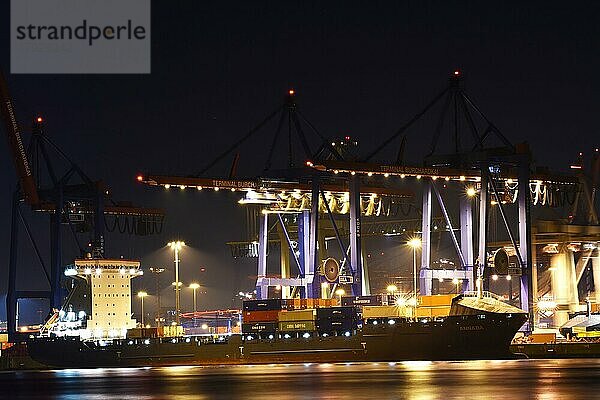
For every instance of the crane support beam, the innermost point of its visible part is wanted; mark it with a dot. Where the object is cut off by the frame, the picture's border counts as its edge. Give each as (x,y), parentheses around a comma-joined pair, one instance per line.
(260,185)
(471,175)
(15,143)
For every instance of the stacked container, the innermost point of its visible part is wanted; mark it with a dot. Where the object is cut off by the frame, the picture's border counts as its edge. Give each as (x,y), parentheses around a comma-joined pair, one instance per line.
(297,321)
(260,316)
(371,300)
(336,319)
(434,306)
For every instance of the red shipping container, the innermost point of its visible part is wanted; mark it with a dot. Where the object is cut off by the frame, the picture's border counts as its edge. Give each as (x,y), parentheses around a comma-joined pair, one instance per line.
(260,316)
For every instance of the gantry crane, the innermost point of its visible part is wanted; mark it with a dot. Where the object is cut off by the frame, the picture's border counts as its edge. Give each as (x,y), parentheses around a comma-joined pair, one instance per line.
(70,198)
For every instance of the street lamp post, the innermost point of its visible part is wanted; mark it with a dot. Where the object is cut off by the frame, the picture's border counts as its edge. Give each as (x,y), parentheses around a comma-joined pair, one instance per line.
(141,295)
(194,287)
(157,271)
(176,247)
(415,243)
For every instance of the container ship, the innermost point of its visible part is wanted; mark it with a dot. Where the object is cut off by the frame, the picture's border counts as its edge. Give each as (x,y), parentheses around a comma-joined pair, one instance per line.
(441,327)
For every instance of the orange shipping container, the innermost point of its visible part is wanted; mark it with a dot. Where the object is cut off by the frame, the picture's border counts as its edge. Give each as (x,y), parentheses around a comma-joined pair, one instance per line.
(260,316)
(542,338)
(436,300)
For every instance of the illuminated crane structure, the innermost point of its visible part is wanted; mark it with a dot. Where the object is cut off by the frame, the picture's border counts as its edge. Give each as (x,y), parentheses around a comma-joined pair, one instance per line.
(288,193)
(70,198)
(489,171)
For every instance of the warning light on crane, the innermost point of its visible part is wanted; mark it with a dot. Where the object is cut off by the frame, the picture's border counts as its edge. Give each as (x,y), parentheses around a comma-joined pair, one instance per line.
(456,73)
(39,120)
(292,92)
(140,178)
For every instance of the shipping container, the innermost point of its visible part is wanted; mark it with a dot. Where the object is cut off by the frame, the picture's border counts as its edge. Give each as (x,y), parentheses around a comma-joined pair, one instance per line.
(541,338)
(372,300)
(329,325)
(260,327)
(297,315)
(260,316)
(436,300)
(386,311)
(336,313)
(295,326)
(263,305)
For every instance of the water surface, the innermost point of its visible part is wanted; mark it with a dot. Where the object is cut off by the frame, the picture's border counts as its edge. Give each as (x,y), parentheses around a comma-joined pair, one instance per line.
(421,380)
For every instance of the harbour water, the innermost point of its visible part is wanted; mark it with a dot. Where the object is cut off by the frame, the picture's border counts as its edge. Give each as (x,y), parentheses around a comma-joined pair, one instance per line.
(421,380)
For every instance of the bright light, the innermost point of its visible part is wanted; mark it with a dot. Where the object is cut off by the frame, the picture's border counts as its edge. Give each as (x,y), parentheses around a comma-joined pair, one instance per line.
(140,178)
(494,277)
(194,285)
(340,292)
(508,277)
(87,271)
(39,119)
(386,175)
(70,272)
(392,288)
(204,326)
(455,281)
(278,287)
(291,92)
(546,305)
(167,186)
(178,283)
(306,335)
(462,178)
(440,279)
(471,191)
(400,301)
(414,243)
(177,245)
(142,294)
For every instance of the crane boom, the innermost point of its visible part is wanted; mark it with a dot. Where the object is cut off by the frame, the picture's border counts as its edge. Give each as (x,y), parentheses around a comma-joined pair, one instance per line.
(15,143)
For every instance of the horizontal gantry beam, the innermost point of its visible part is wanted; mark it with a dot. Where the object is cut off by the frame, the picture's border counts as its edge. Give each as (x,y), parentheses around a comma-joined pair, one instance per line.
(261,185)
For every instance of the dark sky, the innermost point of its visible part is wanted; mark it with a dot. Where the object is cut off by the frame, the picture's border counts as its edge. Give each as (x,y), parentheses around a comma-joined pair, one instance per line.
(359,69)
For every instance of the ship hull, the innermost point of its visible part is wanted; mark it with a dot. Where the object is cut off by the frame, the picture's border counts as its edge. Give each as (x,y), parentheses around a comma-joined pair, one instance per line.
(454,338)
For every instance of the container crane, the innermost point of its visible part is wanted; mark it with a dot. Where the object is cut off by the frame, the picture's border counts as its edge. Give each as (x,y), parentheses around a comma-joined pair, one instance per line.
(70,198)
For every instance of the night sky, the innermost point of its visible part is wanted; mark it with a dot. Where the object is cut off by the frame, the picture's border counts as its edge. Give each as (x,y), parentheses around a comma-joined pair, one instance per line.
(361,70)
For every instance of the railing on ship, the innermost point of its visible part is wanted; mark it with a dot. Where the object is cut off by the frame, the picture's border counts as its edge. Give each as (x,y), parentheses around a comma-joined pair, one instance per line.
(482,294)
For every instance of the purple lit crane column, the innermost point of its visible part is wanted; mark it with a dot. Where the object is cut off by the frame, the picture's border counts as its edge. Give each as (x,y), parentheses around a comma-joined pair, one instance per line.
(425,281)
(359,286)
(523,198)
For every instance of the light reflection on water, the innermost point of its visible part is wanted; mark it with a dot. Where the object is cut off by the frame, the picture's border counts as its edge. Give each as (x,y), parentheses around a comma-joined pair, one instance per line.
(417,380)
